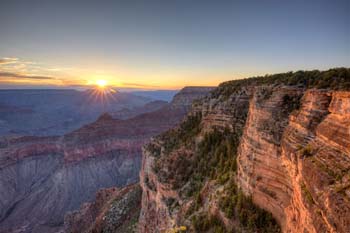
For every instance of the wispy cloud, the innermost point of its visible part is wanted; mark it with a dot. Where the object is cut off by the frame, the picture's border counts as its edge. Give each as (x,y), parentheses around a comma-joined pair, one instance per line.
(24,76)
(8,60)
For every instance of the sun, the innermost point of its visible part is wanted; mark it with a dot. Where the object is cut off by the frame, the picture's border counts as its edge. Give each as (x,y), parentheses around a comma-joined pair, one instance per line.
(101,83)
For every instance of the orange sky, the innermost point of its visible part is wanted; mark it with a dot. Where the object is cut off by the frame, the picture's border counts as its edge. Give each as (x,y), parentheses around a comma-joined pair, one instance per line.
(15,71)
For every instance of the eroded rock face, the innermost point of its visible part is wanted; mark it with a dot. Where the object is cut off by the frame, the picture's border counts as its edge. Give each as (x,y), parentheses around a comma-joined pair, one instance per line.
(293,160)
(113,210)
(187,95)
(163,206)
(38,189)
(298,177)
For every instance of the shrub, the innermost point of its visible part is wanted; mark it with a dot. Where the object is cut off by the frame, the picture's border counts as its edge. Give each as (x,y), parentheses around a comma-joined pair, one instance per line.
(181,135)
(291,103)
(306,151)
(203,223)
(307,193)
(251,217)
(215,158)
(334,79)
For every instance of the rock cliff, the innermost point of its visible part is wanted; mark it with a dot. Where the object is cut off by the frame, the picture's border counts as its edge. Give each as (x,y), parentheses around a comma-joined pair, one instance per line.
(187,95)
(42,179)
(114,210)
(277,144)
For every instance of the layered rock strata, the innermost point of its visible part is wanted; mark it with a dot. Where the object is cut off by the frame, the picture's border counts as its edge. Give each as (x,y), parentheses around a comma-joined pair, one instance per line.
(293,160)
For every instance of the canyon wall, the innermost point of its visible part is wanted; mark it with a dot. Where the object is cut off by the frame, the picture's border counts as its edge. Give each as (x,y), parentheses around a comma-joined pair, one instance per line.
(300,172)
(187,95)
(44,178)
(287,152)
(42,181)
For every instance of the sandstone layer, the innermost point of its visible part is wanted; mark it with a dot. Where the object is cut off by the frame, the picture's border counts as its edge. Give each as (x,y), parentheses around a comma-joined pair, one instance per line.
(292,158)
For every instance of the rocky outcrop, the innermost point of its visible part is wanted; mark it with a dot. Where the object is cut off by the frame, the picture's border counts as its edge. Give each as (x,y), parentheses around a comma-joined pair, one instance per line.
(114,210)
(187,95)
(42,178)
(149,107)
(289,152)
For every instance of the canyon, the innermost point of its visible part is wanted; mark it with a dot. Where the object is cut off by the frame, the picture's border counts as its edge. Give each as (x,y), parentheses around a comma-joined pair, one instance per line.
(44,178)
(266,154)
(53,112)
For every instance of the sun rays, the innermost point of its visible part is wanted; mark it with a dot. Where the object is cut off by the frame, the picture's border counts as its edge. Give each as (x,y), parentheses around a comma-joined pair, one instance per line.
(102,93)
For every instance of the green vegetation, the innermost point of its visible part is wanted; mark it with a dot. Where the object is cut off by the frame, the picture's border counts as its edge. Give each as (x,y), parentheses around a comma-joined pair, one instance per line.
(123,212)
(291,103)
(203,223)
(306,151)
(183,134)
(335,79)
(251,218)
(215,158)
(266,93)
(307,194)
(171,203)
(154,149)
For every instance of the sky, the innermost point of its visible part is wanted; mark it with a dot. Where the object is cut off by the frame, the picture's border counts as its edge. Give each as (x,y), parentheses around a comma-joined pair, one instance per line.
(166,44)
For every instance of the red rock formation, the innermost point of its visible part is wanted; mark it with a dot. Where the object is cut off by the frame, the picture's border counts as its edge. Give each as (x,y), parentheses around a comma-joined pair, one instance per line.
(297,180)
(293,161)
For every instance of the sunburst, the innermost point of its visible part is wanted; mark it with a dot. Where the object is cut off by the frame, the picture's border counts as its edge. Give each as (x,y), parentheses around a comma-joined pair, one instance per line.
(101,83)
(102,93)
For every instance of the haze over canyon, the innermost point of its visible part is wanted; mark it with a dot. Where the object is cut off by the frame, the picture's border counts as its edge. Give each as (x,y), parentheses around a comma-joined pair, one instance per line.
(180,116)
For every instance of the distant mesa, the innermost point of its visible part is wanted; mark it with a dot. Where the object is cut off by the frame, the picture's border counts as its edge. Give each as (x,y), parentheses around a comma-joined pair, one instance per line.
(188,94)
(105,117)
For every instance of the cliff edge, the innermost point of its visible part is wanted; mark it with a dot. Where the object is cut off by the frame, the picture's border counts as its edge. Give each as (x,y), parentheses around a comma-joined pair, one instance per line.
(266,154)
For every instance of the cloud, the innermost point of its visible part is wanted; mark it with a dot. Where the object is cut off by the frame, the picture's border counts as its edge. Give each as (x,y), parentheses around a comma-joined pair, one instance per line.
(8,60)
(24,76)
